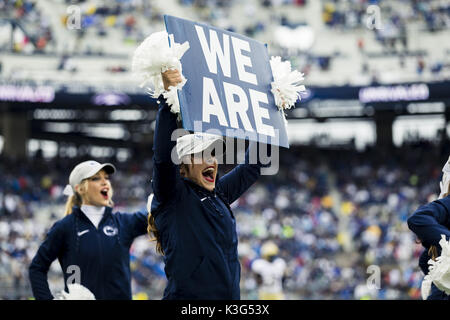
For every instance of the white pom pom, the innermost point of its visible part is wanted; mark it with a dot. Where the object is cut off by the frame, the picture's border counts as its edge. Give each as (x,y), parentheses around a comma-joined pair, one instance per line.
(76,292)
(439,270)
(286,86)
(153,56)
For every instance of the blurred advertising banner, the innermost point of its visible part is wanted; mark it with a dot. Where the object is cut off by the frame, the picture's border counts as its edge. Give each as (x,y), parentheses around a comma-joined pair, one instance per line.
(228,84)
(27,93)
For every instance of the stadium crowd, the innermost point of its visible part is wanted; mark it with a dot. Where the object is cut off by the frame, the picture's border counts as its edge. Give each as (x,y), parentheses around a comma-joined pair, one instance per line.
(350,14)
(27,16)
(117,27)
(332,212)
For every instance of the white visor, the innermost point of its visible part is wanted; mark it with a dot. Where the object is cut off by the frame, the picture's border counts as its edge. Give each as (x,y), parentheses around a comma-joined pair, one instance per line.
(198,142)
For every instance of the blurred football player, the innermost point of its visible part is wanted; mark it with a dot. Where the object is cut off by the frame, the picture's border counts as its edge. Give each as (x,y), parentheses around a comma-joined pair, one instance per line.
(271,269)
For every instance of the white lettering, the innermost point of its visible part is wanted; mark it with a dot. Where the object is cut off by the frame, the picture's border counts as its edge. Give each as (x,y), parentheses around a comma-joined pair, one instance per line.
(215,50)
(214,108)
(259,112)
(237,107)
(242,61)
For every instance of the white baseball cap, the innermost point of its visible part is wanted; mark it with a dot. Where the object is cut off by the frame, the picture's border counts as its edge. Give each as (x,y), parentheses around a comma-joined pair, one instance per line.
(86,170)
(198,142)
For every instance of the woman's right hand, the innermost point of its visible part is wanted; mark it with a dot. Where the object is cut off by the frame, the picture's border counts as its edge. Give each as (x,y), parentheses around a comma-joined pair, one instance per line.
(171,78)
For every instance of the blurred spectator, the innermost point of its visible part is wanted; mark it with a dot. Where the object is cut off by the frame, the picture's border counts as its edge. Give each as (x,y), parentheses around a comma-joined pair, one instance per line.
(361,45)
(66,64)
(420,65)
(437,68)
(324,63)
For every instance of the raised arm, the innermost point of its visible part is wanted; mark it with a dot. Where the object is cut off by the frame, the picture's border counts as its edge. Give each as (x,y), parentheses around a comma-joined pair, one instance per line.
(46,254)
(238,180)
(164,170)
(430,221)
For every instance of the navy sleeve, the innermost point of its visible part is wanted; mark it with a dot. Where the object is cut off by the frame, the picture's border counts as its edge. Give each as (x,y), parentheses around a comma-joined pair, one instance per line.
(46,254)
(165,172)
(238,180)
(428,223)
(135,223)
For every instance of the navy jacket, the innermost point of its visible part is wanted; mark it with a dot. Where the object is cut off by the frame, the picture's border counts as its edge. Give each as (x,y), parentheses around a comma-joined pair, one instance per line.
(197,227)
(102,255)
(428,222)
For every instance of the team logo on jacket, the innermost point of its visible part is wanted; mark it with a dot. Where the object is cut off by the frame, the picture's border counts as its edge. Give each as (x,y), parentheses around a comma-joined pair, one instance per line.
(110,231)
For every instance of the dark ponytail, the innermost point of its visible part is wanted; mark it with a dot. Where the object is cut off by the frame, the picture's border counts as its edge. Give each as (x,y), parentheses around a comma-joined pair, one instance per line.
(154,233)
(433,252)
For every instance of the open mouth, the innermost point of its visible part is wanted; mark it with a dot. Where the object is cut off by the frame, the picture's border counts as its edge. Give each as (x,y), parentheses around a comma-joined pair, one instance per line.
(104,193)
(208,174)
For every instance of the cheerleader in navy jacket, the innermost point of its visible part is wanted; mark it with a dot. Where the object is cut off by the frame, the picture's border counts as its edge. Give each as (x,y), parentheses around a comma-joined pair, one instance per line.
(91,242)
(429,222)
(190,211)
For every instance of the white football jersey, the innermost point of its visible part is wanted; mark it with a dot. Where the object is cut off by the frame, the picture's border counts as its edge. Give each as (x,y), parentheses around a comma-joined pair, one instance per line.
(271,274)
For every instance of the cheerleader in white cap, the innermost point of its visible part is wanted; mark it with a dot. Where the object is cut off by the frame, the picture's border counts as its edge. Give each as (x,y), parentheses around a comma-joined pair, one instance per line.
(191,217)
(91,242)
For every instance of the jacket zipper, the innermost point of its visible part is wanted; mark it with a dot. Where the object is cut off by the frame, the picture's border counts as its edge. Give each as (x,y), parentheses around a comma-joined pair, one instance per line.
(100,255)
